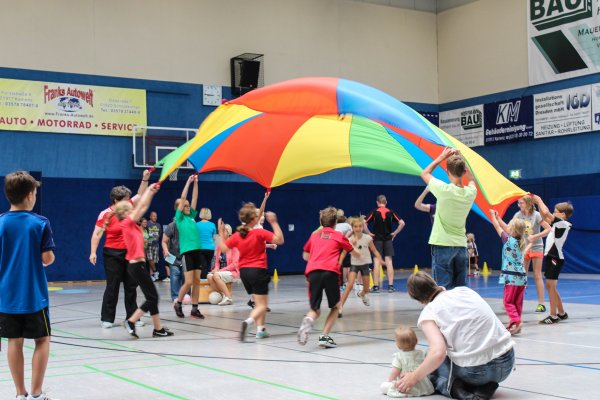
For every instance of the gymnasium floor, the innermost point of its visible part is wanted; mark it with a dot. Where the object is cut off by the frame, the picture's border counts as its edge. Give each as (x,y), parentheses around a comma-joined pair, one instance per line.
(205,360)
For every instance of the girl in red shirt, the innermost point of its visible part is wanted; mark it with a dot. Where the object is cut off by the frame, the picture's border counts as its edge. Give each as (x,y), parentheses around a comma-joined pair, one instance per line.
(253,262)
(127,214)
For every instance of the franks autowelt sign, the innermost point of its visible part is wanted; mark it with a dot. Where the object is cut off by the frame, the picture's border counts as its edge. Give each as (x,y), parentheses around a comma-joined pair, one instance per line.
(66,108)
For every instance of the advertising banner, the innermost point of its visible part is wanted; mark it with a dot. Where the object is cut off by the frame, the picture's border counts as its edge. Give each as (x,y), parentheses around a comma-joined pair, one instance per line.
(563,112)
(563,39)
(596,107)
(509,120)
(65,108)
(465,124)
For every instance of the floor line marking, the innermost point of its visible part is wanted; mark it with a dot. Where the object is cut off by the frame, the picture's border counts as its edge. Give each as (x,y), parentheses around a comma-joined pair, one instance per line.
(152,388)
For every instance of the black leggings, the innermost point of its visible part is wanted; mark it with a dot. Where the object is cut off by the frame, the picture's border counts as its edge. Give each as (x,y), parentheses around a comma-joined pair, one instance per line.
(115,268)
(137,271)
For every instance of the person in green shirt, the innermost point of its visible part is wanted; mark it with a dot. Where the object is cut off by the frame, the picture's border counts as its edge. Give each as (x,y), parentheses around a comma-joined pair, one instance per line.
(189,248)
(449,258)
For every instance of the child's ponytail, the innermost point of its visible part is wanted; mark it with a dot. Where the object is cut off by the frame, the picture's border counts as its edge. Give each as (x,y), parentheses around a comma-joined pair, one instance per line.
(247,214)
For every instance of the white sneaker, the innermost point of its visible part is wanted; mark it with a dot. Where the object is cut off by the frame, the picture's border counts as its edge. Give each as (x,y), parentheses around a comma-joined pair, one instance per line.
(22,397)
(42,396)
(167,279)
(305,328)
(364,298)
(226,301)
(107,325)
(139,323)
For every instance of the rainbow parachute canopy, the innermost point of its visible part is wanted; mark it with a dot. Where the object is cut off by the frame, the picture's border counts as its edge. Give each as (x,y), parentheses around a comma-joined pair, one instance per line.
(308,126)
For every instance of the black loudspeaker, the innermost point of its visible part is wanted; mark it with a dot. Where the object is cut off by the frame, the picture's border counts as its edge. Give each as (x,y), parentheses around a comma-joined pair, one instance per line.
(249,71)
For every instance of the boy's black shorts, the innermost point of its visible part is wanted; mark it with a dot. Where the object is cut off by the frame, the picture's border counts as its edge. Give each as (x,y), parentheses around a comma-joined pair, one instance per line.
(29,326)
(328,281)
(553,267)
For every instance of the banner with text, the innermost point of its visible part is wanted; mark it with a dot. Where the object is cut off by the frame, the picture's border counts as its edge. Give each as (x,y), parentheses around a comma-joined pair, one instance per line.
(465,124)
(563,112)
(596,107)
(509,120)
(563,39)
(66,108)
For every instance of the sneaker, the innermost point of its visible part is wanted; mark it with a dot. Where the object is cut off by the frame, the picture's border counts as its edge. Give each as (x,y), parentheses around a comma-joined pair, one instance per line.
(243,331)
(130,328)
(139,323)
(42,396)
(563,316)
(178,310)
(162,332)
(550,320)
(305,328)
(226,301)
(251,304)
(262,334)
(343,288)
(540,308)
(22,397)
(196,314)
(107,325)
(375,289)
(153,278)
(365,298)
(167,279)
(326,342)
(391,289)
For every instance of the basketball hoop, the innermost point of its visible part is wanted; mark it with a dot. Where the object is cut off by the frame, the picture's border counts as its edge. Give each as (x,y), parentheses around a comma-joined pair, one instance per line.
(173,175)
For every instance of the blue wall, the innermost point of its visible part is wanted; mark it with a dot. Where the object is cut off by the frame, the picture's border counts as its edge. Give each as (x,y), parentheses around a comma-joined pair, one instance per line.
(78,172)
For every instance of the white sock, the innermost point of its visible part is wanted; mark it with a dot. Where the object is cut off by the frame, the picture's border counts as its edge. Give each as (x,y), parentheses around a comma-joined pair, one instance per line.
(260,328)
(250,320)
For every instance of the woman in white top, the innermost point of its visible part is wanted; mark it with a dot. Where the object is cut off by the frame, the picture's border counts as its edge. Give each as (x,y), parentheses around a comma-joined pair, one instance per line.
(470,351)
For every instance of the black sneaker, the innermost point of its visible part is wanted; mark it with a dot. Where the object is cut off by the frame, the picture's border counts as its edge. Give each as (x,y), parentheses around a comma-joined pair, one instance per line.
(251,304)
(130,327)
(243,331)
(196,314)
(326,342)
(375,289)
(178,310)
(162,333)
(563,316)
(391,289)
(549,320)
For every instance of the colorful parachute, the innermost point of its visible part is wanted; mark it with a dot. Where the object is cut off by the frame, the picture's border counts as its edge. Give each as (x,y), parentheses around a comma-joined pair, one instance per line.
(308,126)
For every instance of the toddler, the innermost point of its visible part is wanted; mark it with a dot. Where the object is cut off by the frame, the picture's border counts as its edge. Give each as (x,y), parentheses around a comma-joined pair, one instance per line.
(406,360)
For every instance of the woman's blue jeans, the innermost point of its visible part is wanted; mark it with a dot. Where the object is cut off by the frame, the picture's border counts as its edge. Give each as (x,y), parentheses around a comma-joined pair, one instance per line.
(496,370)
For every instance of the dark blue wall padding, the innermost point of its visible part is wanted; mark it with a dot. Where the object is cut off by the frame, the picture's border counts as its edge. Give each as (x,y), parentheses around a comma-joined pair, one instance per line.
(72,206)
(581,250)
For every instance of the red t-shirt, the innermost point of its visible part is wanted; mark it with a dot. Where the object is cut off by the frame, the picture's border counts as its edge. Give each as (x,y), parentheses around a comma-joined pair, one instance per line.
(133,239)
(252,248)
(324,247)
(113,234)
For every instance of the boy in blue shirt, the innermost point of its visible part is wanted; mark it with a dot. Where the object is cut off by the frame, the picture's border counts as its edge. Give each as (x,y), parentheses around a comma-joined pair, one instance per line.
(26,247)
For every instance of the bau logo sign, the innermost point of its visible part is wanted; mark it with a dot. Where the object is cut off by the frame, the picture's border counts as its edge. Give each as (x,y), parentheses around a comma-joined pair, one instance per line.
(508,112)
(471,119)
(547,14)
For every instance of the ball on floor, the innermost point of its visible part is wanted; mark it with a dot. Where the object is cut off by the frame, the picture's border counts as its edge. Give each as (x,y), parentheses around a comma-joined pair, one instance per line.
(215,297)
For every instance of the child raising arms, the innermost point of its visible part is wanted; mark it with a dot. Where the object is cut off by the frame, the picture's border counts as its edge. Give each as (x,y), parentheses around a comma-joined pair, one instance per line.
(127,214)
(365,246)
(513,275)
(406,360)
